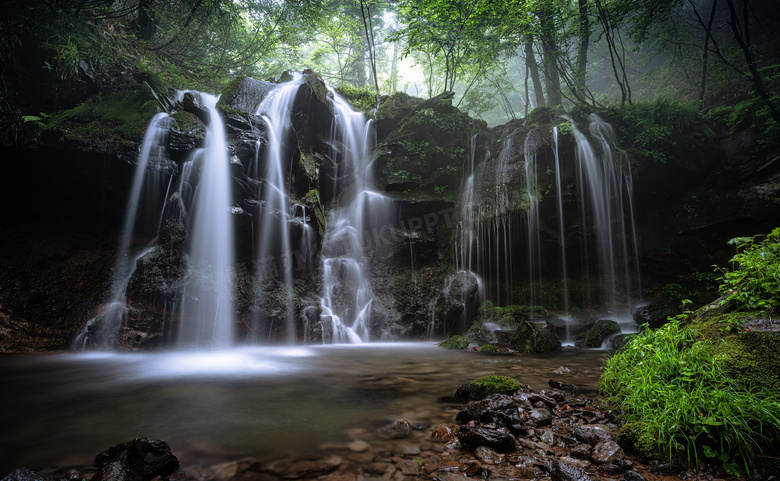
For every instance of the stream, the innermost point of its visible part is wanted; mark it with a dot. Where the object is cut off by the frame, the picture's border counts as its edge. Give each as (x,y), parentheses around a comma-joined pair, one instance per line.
(260,402)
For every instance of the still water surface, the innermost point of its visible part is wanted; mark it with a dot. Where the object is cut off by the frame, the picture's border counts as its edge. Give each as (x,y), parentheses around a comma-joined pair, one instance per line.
(259,402)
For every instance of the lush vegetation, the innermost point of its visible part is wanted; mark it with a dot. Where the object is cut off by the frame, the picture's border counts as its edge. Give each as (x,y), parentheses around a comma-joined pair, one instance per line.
(680,388)
(754,281)
(501,58)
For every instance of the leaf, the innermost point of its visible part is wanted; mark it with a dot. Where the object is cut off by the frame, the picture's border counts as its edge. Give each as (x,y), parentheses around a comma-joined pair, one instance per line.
(709,452)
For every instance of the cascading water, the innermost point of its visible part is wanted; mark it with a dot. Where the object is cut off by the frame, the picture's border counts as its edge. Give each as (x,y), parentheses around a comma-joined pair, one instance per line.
(275,229)
(606,192)
(347,298)
(207,310)
(148,182)
(570,207)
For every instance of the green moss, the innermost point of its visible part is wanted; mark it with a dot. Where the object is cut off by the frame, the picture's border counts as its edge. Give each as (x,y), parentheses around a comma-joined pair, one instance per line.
(494,384)
(229,91)
(599,332)
(188,123)
(535,338)
(752,359)
(117,119)
(456,343)
(633,436)
(363,99)
(493,350)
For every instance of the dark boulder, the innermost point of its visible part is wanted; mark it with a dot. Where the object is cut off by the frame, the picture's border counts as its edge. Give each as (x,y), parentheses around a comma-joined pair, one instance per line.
(143,459)
(477,409)
(535,338)
(490,435)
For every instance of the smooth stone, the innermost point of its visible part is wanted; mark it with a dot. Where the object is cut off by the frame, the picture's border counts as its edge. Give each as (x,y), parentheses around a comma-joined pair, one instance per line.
(563,471)
(358,446)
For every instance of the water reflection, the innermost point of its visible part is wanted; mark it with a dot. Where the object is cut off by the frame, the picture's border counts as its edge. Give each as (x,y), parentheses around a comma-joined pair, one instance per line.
(261,402)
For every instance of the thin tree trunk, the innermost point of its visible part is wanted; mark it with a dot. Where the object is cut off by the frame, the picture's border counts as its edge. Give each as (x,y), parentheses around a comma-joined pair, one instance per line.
(705,56)
(582,55)
(530,62)
(550,60)
(742,36)
(366,13)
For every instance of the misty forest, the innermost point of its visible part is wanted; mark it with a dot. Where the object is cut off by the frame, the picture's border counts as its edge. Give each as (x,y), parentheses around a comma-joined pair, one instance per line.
(399,240)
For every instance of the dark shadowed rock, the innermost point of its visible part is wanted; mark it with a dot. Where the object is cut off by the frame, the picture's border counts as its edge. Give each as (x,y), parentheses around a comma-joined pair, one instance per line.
(24,474)
(591,434)
(193,105)
(477,409)
(143,459)
(116,471)
(490,435)
(632,476)
(562,471)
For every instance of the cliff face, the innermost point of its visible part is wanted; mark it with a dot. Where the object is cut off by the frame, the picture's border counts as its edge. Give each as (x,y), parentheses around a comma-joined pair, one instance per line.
(64,197)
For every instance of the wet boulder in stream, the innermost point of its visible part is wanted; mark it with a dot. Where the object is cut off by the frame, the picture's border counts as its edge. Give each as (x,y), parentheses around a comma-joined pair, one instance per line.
(142,459)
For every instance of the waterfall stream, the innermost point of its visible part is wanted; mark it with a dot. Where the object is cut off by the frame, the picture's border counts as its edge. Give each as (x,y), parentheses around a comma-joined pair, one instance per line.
(207,311)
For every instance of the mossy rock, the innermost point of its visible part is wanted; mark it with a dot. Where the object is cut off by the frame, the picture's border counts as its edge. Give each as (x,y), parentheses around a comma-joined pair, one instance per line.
(456,343)
(535,338)
(597,334)
(483,387)
(539,115)
(634,437)
(752,359)
(243,95)
(494,350)
(112,121)
(621,340)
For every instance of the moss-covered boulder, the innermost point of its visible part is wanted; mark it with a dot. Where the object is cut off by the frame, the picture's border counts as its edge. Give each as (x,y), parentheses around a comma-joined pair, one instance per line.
(596,335)
(456,343)
(113,122)
(422,157)
(752,358)
(485,386)
(494,350)
(244,95)
(535,338)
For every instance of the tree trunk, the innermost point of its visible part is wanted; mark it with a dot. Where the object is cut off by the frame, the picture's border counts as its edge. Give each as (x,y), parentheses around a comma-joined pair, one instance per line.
(742,36)
(533,69)
(582,55)
(145,25)
(550,61)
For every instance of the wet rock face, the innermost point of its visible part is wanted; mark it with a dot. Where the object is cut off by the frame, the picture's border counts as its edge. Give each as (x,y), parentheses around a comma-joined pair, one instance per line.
(142,459)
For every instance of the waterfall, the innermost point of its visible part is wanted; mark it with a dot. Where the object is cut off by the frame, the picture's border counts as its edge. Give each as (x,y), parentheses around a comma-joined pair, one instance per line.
(604,177)
(547,208)
(275,235)
(347,298)
(561,224)
(207,311)
(533,234)
(144,196)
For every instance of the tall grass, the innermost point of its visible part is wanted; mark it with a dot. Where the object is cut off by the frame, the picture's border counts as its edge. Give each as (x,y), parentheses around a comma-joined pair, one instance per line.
(682,403)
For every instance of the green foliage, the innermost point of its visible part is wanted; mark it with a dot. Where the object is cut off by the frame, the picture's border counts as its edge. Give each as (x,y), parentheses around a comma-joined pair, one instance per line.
(428,118)
(751,114)
(456,343)
(363,99)
(680,401)
(754,280)
(650,126)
